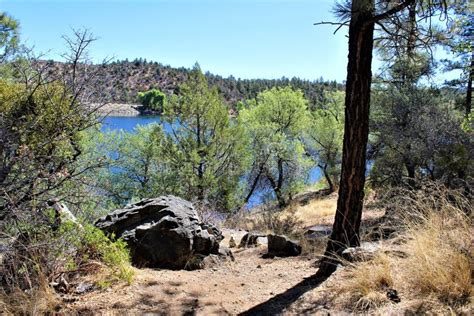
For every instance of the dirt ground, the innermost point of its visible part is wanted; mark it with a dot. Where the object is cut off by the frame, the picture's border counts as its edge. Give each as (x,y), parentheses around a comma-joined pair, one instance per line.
(228,289)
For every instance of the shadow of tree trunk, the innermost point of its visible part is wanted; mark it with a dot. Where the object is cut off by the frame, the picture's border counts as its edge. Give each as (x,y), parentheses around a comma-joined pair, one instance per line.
(277,304)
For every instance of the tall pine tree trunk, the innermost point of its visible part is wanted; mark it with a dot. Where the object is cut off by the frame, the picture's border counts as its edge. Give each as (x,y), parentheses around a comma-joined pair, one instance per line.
(469,87)
(356,129)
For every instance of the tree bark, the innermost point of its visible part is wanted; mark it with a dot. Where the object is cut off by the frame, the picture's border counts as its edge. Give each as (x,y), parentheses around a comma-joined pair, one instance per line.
(200,170)
(254,186)
(356,129)
(328,177)
(276,185)
(411,170)
(469,88)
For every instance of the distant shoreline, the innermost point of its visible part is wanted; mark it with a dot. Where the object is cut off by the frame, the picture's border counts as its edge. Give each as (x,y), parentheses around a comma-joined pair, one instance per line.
(120,109)
(124,109)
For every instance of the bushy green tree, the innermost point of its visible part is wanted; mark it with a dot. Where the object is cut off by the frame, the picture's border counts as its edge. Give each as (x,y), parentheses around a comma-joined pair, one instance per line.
(416,132)
(152,99)
(323,139)
(9,35)
(275,123)
(202,145)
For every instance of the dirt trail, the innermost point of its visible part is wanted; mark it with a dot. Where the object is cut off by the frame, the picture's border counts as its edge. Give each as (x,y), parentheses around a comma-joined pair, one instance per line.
(231,288)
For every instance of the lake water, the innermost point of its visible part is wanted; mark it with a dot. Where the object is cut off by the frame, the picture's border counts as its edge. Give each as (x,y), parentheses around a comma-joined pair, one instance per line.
(129,123)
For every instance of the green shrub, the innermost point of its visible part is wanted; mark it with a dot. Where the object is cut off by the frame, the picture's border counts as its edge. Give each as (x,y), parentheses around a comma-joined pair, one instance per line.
(93,244)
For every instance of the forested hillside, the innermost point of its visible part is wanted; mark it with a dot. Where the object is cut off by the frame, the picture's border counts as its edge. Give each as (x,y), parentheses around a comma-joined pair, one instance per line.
(120,82)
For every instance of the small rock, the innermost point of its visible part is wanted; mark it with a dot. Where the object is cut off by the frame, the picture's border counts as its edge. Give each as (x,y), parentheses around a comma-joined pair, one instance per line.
(69,299)
(259,267)
(392,295)
(250,239)
(262,241)
(318,231)
(225,253)
(232,243)
(82,288)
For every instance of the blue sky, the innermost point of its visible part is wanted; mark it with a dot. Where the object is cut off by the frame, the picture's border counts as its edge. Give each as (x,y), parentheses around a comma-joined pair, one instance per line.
(244,38)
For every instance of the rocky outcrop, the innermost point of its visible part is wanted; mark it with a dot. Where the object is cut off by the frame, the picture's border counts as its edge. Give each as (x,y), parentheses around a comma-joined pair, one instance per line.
(282,246)
(365,252)
(163,232)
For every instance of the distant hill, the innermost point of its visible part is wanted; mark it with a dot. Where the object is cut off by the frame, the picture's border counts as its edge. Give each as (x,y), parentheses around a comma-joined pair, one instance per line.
(122,80)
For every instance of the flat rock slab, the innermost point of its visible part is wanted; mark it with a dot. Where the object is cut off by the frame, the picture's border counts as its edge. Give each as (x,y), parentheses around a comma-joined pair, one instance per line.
(318,231)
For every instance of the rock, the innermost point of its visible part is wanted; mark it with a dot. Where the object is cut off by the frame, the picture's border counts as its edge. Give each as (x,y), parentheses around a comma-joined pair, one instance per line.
(282,246)
(232,243)
(250,239)
(318,232)
(163,232)
(262,241)
(210,261)
(364,252)
(226,253)
(82,288)
(392,295)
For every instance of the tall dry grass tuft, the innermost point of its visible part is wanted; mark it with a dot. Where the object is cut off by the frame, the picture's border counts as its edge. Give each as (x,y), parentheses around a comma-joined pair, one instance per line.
(40,300)
(368,282)
(431,260)
(440,255)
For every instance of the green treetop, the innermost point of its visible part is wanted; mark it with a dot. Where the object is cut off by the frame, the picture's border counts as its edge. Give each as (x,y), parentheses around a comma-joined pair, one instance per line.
(203,146)
(275,122)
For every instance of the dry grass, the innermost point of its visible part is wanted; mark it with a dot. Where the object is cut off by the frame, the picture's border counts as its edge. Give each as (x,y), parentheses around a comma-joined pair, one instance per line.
(437,243)
(38,301)
(316,210)
(368,282)
(440,256)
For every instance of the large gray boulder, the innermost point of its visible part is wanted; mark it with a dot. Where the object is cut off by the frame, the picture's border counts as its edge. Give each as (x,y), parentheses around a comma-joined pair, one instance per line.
(163,232)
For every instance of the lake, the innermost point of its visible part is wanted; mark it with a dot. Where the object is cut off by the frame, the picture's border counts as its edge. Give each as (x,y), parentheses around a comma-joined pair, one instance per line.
(128,123)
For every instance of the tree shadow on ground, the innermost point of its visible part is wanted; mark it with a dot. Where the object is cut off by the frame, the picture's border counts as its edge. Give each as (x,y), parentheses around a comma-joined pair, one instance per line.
(278,303)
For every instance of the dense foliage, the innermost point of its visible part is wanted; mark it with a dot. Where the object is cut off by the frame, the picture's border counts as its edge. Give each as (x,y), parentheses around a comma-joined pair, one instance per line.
(152,99)
(44,117)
